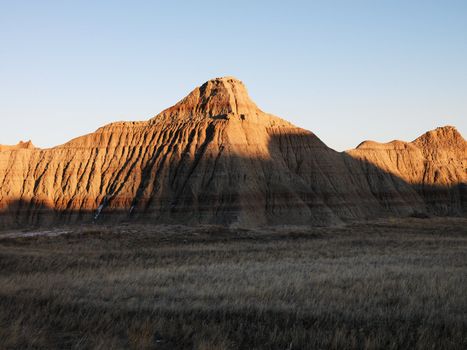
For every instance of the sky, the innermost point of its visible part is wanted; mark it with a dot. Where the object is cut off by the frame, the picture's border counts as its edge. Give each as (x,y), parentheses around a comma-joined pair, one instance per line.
(347,70)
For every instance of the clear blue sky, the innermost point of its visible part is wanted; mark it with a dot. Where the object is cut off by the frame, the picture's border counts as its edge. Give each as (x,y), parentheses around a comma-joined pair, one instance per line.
(347,70)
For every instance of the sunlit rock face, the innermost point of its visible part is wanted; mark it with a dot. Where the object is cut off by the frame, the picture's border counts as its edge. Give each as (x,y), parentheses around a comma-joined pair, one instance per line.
(215,157)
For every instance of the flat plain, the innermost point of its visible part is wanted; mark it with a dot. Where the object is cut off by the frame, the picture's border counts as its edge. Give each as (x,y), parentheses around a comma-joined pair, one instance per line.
(392,284)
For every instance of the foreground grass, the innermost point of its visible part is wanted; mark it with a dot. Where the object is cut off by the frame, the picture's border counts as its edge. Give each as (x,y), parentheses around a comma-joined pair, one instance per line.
(391,285)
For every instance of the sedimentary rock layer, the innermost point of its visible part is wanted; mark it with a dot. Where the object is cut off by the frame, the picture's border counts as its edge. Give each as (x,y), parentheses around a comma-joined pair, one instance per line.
(435,164)
(215,157)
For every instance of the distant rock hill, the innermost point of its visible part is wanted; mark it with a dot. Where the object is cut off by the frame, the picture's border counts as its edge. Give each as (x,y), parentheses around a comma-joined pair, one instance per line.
(20,145)
(215,157)
(435,165)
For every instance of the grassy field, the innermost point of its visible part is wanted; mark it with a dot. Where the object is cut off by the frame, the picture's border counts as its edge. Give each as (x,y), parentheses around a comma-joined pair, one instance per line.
(382,285)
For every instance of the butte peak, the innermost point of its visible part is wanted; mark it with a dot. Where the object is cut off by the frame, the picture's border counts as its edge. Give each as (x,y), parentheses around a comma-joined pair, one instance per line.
(227,79)
(442,136)
(219,98)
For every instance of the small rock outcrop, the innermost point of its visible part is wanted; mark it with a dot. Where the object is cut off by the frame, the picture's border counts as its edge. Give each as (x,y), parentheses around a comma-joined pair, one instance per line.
(215,157)
(19,145)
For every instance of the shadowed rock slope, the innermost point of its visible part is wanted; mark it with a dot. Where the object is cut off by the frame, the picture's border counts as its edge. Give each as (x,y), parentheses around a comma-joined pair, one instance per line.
(215,157)
(435,164)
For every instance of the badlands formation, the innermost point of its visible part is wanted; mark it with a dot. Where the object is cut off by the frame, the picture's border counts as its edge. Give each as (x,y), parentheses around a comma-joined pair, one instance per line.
(215,157)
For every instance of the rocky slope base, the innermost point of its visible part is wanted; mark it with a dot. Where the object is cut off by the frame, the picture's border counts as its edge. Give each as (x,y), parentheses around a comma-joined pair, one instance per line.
(215,157)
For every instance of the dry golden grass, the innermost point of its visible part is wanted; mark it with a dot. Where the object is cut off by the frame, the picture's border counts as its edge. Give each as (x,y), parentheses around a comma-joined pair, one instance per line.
(389,284)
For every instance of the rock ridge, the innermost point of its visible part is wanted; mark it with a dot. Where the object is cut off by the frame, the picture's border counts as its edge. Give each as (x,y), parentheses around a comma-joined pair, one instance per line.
(215,157)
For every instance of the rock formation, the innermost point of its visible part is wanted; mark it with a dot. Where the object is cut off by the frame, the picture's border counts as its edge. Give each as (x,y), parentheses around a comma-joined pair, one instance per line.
(20,145)
(215,157)
(435,164)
